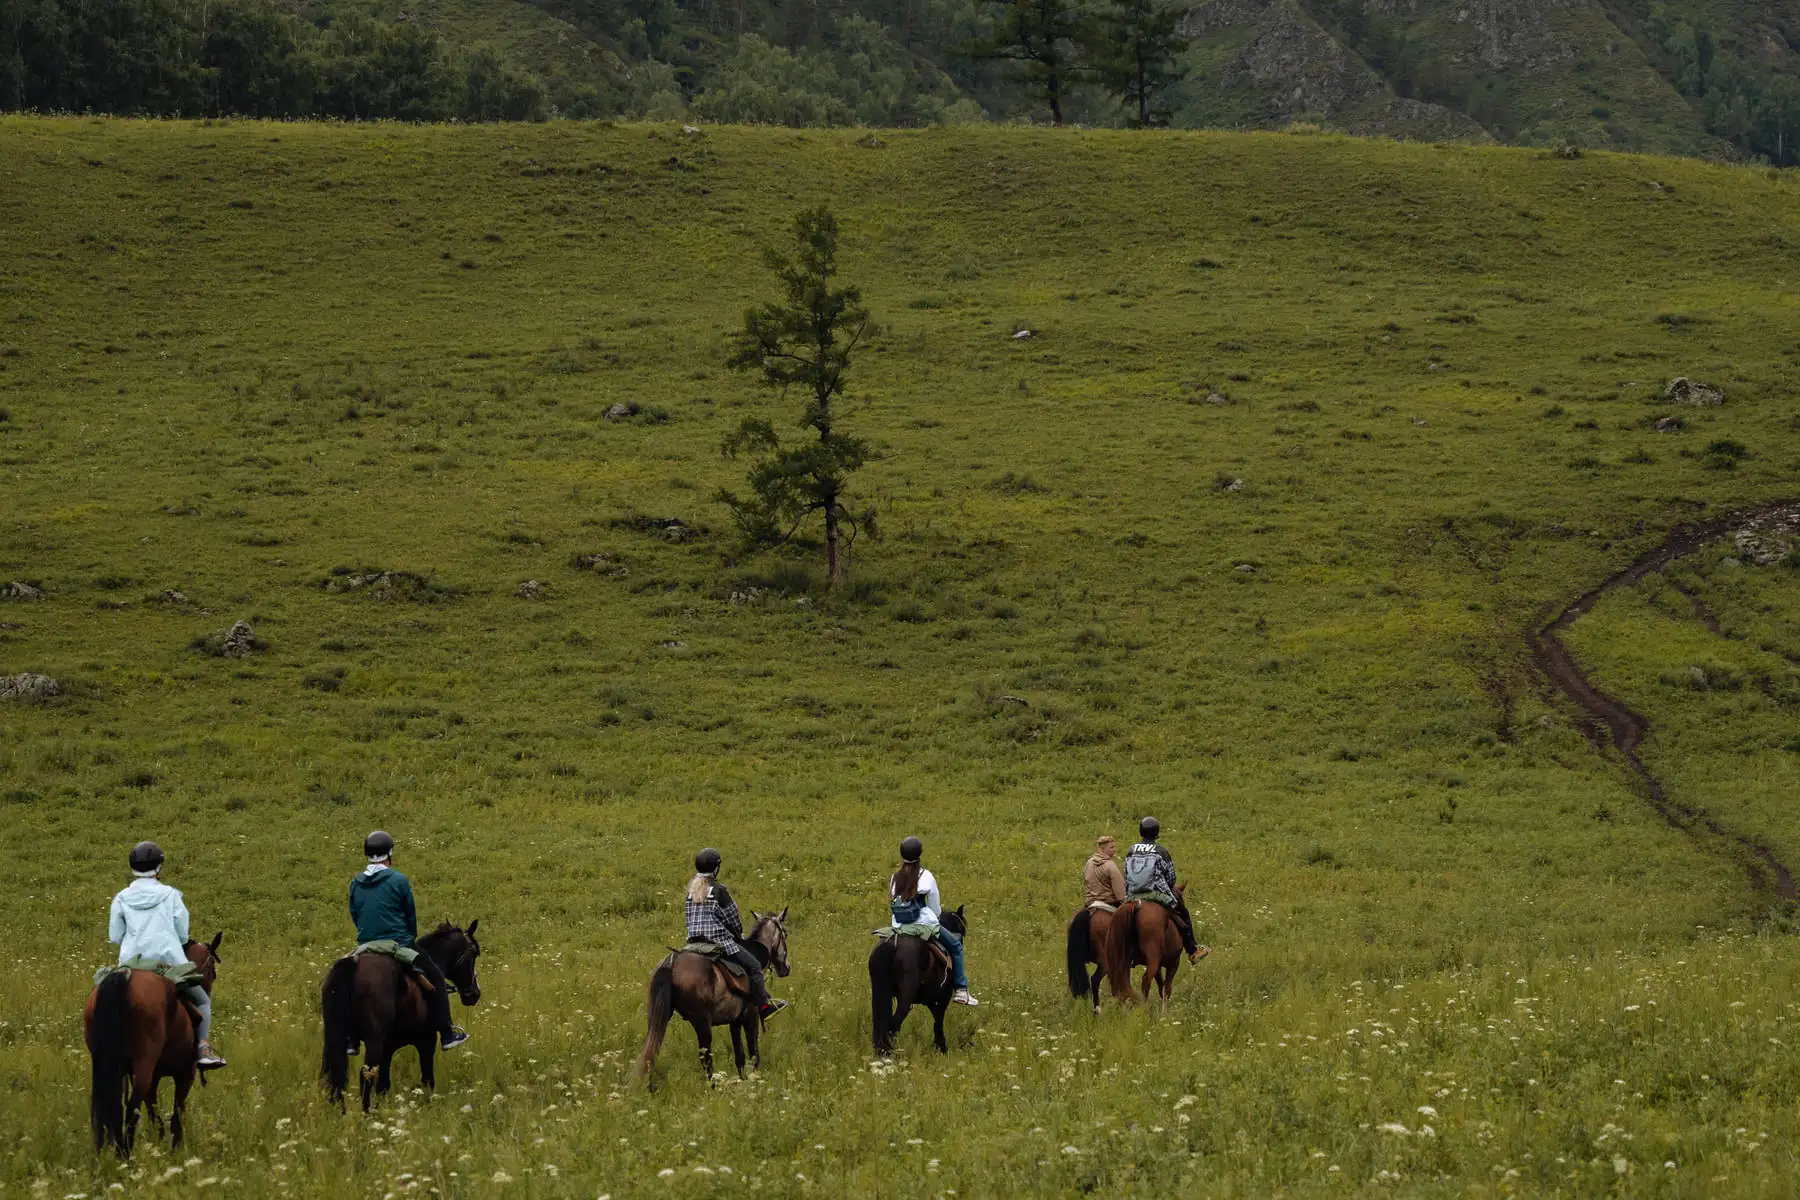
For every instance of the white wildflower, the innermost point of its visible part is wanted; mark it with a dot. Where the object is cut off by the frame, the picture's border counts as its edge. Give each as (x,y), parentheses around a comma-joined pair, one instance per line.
(502,1177)
(1395,1128)
(1425,1110)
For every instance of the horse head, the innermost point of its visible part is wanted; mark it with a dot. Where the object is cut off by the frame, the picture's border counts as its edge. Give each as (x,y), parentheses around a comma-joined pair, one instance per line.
(770,932)
(456,950)
(205,956)
(956,922)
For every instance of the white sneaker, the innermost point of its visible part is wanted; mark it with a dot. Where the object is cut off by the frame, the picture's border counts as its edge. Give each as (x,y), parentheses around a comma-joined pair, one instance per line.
(961,996)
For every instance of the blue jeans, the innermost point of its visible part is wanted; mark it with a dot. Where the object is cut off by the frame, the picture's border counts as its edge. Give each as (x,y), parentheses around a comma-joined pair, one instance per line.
(959,976)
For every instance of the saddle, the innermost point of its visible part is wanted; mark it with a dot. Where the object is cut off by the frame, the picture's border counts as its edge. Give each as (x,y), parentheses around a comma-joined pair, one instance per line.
(925,933)
(713,951)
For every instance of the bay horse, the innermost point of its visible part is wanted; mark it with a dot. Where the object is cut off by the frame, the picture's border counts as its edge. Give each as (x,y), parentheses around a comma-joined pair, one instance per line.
(706,994)
(904,971)
(373,1000)
(1087,944)
(139,1033)
(1144,933)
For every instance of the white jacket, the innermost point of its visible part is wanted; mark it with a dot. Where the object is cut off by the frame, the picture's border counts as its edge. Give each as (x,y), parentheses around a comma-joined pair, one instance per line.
(928,894)
(149,921)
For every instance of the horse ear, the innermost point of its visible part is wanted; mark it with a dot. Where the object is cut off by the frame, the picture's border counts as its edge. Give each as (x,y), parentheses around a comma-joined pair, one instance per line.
(472,924)
(783,917)
(959,909)
(214,944)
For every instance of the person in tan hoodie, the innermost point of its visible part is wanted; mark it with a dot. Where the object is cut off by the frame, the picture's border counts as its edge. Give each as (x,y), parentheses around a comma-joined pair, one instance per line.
(1103,884)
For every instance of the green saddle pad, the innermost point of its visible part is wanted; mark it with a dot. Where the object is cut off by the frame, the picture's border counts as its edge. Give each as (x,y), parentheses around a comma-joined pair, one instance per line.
(183,974)
(888,933)
(406,956)
(1161,898)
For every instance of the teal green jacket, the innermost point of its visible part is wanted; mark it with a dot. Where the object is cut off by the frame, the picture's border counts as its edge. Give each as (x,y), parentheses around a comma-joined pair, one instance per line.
(381,904)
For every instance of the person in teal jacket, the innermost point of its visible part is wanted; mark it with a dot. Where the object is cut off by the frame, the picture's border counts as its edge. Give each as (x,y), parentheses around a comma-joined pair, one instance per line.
(381,904)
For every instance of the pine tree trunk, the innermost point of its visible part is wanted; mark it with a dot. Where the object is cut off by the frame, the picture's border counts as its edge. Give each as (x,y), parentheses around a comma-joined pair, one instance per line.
(834,574)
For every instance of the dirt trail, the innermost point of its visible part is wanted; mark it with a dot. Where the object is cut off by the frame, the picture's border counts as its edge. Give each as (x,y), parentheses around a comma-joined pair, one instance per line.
(1769,876)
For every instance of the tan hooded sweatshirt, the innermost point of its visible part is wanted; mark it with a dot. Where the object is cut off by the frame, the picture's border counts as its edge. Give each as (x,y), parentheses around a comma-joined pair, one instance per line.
(1102,881)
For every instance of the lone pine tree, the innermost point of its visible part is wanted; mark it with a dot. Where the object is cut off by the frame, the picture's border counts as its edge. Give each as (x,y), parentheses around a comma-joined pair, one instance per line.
(803,341)
(1044,38)
(1136,54)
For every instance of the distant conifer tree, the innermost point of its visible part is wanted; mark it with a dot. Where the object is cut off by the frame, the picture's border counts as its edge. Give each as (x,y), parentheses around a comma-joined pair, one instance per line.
(806,341)
(1044,38)
(1136,52)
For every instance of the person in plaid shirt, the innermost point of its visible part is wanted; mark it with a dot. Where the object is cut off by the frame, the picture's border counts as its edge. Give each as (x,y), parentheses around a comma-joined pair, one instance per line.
(712,916)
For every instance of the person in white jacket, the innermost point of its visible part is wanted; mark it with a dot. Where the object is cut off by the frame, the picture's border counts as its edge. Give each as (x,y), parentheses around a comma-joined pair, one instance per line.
(913,899)
(150,924)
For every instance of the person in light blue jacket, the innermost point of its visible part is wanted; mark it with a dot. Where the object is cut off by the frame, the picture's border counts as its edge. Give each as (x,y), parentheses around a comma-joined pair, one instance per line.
(150,924)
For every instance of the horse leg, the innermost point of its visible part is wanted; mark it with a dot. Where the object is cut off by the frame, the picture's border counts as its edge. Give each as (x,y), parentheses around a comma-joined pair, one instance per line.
(1094,985)
(374,1053)
(143,1094)
(385,1080)
(737,1045)
(428,1063)
(703,1034)
(937,1026)
(184,1082)
(754,1031)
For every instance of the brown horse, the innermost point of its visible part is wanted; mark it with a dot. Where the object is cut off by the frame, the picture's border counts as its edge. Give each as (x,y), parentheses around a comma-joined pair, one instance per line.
(139,1033)
(373,1000)
(908,970)
(1144,933)
(1087,944)
(705,994)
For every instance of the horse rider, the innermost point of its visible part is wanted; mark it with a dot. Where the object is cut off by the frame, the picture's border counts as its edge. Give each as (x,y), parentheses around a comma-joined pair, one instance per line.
(913,899)
(381,904)
(1150,875)
(1102,883)
(150,924)
(712,916)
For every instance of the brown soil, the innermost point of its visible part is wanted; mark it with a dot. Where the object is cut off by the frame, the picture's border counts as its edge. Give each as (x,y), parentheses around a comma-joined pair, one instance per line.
(1604,715)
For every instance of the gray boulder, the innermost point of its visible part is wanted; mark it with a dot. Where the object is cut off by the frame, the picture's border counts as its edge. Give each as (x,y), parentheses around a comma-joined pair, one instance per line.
(28,687)
(1681,390)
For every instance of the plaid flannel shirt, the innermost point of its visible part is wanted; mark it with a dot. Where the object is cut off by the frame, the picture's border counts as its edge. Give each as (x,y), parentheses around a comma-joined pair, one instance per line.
(716,919)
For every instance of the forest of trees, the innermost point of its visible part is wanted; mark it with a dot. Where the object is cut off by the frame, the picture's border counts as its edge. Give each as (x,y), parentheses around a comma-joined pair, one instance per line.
(245,57)
(787,62)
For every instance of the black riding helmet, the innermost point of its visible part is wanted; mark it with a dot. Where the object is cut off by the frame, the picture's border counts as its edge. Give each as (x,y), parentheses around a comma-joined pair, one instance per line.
(911,850)
(1148,828)
(707,861)
(379,844)
(146,856)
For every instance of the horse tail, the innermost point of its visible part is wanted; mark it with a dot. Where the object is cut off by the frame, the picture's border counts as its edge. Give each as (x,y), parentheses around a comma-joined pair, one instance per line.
(1081,948)
(661,1008)
(337,999)
(1120,940)
(881,992)
(112,1059)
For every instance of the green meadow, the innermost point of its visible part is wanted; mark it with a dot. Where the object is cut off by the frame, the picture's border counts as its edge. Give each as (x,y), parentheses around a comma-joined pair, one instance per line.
(245,368)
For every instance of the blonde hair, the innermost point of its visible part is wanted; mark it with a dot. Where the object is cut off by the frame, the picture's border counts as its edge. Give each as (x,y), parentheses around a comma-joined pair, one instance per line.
(1103,841)
(699,888)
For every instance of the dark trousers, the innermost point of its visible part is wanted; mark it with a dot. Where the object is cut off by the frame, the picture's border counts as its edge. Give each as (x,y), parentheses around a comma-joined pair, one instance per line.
(759,992)
(1185,923)
(437,1003)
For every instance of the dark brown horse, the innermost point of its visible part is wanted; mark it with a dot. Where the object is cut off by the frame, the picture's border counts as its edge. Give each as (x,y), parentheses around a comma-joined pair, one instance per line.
(904,971)
(705,994)
(373,1000)
(1144,933)
(139,1033)
(1087,944)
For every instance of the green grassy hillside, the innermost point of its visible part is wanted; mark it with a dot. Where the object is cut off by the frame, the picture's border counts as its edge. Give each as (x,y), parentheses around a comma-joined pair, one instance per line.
(246,363)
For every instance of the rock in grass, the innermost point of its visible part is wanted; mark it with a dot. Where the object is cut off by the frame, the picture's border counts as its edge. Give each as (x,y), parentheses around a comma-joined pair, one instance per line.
(239,641)
(621,412)
(1670,425)
(1771,537)
(1218,398)
(21,591)
(28,687)
(531,589)
(1681,390)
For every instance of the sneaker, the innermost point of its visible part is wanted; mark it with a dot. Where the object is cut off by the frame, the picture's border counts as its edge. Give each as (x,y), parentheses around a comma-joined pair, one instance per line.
(209,1060)
(772,1007)
(961,996)
(1199,954)
(454,1038)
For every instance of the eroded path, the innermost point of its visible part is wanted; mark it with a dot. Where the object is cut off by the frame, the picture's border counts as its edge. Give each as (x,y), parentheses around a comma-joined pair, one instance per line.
(1606,716)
